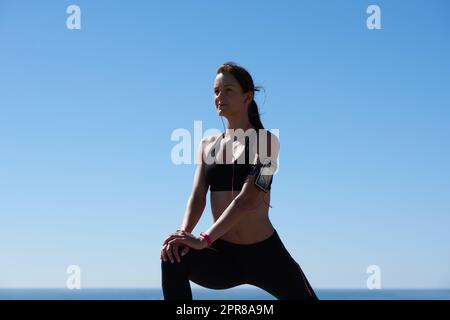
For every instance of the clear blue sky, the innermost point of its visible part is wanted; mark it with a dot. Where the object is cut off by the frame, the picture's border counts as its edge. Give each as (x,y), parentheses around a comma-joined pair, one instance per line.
(86,117)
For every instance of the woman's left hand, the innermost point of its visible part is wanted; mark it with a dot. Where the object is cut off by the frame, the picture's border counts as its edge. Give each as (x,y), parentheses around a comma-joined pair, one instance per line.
(187,239)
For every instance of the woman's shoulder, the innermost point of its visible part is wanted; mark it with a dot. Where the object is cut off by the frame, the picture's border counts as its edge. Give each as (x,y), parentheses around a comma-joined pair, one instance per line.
(210,139)
(208,142)
(268,134)
(264,139)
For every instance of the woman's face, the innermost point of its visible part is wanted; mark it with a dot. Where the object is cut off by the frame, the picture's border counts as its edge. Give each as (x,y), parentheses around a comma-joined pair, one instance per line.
(228,95)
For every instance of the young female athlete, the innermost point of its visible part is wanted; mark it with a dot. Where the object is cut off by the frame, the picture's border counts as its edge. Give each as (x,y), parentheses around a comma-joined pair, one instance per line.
(242,246)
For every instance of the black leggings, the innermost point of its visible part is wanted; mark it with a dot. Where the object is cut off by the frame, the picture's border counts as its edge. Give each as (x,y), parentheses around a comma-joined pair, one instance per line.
(266,264)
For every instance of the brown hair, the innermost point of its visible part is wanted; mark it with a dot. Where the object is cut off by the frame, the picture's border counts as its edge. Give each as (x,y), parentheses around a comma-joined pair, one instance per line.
(245,80)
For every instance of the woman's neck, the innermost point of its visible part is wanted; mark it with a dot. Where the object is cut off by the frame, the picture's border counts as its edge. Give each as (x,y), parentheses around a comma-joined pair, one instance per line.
(237,124)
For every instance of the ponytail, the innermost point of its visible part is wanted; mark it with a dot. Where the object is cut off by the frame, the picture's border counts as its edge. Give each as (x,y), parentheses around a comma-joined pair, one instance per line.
(253,115)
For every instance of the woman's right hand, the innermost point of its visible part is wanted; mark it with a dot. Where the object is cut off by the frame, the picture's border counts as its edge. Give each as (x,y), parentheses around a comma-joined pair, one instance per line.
(170,252)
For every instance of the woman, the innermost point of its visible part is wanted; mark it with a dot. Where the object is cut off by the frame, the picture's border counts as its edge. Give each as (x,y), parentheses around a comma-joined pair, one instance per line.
(242,246)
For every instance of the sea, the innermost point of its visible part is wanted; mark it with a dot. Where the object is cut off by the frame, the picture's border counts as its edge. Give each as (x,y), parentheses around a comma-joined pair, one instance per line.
(208,294)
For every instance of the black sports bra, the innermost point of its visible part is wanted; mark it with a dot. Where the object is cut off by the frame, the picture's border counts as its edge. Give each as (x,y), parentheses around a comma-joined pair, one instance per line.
(220,175)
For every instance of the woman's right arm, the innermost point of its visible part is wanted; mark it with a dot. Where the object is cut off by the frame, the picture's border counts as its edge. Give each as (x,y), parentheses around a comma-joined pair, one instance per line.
(195,206)
(197,200)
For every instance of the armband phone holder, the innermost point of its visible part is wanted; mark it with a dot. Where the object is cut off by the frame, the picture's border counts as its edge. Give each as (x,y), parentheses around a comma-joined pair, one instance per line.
(263,179)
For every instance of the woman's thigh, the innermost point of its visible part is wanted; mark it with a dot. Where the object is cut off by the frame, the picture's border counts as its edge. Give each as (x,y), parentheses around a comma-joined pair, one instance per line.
(275,271)
(213,267)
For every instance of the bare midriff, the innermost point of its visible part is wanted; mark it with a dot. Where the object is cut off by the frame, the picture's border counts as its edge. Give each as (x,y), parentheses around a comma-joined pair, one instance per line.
(254,227)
